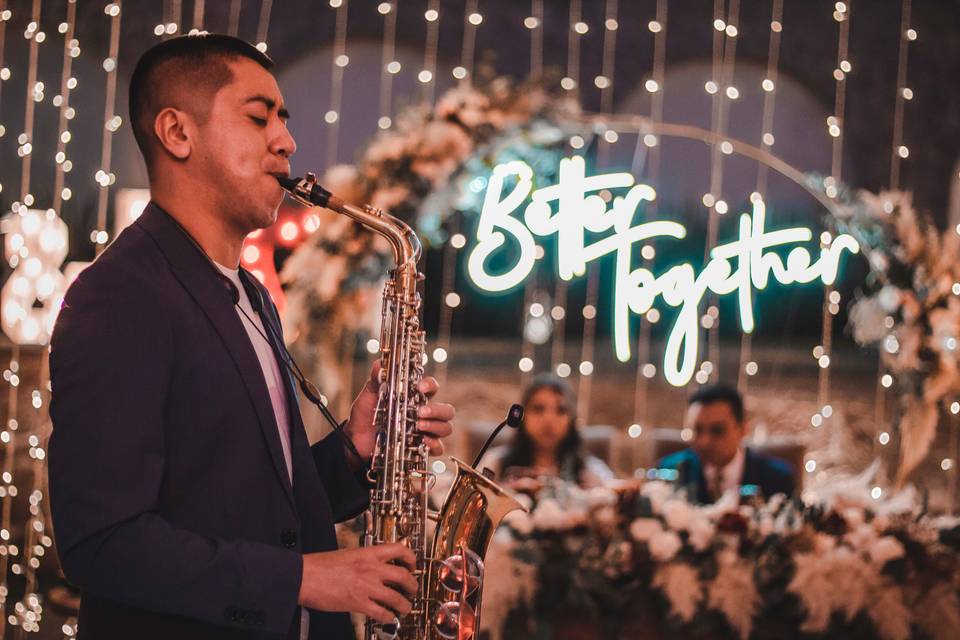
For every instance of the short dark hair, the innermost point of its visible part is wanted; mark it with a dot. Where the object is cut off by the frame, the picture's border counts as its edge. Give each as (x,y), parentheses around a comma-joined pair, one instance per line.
(184,68)
(720,393)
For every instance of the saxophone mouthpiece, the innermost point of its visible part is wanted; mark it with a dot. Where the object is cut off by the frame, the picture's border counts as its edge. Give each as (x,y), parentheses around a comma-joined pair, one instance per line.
(305,189)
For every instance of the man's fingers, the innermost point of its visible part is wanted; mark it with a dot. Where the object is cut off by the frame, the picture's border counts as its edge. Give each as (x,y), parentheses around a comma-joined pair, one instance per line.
(428,386)
(391,599)
(378,613)
(401,578)
(391,552)
(434,429)
(434,445)
(440,411)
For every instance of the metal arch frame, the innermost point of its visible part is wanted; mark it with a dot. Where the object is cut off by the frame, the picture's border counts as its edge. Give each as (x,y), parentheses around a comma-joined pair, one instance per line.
(642,125)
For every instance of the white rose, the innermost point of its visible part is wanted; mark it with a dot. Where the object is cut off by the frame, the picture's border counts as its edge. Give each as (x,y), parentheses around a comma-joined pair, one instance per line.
(766,525)
(664,545)
(657,491)
(519,521)
(701,533)
(524,500)
(854,516)
(885,549)
(549,515)
(642,529)
(677,514)
(601,497)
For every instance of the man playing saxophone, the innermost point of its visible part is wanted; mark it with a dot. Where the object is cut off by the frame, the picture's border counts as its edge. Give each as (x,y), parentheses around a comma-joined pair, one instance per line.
(186,499)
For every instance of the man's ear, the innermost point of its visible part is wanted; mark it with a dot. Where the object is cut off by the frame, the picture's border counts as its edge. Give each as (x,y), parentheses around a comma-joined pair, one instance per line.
(173,129)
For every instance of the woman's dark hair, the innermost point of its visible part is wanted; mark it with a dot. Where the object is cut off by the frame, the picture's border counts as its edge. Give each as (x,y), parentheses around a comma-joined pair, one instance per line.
(570,457)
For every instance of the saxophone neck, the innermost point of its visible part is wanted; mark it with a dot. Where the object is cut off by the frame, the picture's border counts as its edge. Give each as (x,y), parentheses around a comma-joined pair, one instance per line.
(404,242)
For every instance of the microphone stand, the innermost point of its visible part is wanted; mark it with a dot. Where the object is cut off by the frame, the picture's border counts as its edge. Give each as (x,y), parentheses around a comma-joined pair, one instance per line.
(514,417)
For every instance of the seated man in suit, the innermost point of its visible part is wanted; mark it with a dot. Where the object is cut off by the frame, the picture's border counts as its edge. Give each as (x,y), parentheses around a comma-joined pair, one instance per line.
(718,462)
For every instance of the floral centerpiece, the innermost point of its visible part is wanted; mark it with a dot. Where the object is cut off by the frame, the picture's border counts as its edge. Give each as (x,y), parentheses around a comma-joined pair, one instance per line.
(909,308)
(641,563)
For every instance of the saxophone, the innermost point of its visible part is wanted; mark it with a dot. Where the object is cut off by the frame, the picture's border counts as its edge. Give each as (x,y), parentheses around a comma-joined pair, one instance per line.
(450,575)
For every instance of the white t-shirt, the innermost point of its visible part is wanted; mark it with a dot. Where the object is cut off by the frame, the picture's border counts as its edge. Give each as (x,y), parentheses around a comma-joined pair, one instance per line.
(275,387)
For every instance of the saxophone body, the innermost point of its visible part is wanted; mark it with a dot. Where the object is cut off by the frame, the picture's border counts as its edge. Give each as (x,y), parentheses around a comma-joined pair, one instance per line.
(450,569)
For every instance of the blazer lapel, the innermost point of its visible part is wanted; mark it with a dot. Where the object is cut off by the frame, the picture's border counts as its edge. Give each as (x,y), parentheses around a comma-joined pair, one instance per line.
(271,321)
(196,274)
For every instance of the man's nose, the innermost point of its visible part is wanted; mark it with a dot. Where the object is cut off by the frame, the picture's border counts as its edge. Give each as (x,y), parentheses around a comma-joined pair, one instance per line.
(284,145)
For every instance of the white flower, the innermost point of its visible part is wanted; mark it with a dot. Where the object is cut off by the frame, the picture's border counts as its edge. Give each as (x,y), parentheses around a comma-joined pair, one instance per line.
(508,583)
(889,298)
(549,515)
(734,593)
(831,580)
(605,518)
(519,521)
(890,616)
(861,537)
(884,550)
(677,514)
(664,545)
(657,491)
(525,500)
(881,523)
(679,583)
(766,525)
(642,529)
(701,530)
(854,516)
(601,497)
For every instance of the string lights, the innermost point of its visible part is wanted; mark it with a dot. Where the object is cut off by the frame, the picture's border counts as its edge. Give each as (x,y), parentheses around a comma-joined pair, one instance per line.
(233,22)
(5,15)
(472,20)
(450,299)
(748,368)
(198,9)
(571,83)
(604,82)
(723,92)
(104,177)
(903,93)
(263,24)
(831,298)
(428,73)
(389,66)
(646,369)
(534,24)
(338,63)
(170,24)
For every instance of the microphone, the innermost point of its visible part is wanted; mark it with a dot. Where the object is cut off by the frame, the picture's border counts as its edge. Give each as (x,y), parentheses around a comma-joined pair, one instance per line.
(514,418)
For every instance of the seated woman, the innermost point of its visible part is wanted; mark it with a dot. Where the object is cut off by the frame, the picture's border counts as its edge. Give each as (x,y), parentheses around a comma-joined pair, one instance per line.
(547,443)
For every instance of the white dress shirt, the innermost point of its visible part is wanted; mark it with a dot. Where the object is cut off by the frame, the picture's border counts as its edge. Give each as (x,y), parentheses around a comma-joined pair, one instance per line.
(730,476)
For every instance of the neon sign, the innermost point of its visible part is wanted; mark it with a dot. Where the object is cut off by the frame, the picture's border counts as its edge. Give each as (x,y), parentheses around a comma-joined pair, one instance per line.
(740,266)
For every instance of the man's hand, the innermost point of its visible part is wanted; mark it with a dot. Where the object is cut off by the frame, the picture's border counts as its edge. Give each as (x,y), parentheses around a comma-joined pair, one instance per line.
(434,419)
(360,580)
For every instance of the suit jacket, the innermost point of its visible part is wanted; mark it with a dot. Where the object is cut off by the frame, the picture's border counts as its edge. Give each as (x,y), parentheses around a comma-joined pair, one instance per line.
(771,474)
(172,507)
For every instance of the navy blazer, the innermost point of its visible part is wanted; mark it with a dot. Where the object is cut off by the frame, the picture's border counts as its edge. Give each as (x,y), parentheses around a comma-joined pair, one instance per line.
(172,507)
(771,474)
